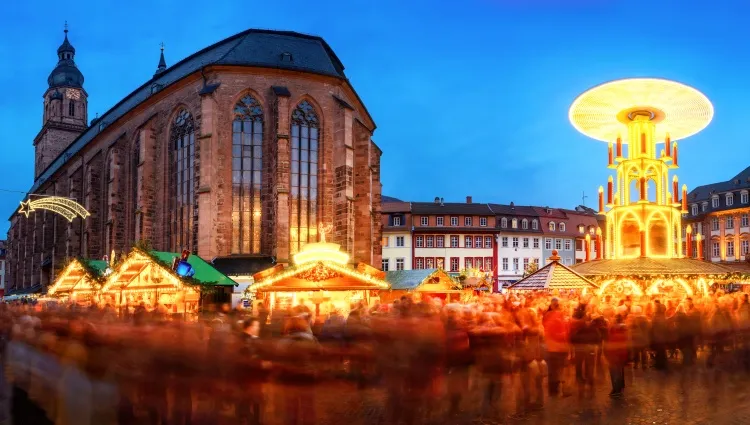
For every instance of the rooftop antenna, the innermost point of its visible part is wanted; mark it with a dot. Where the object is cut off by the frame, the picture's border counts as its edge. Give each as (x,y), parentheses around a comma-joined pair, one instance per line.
(583,198)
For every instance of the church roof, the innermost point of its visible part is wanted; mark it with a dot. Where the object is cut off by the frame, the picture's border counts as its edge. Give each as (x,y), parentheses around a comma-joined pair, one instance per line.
(553,276)
(649,266)
(251,48)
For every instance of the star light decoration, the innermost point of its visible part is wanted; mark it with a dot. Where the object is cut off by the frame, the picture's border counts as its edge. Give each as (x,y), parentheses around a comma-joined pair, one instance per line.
(66,207)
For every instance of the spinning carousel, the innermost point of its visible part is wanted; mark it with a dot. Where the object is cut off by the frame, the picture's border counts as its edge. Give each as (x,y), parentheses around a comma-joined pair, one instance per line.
(645,250)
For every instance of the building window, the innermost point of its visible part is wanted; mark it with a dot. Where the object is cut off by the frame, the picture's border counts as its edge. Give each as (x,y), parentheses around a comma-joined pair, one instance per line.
(439,221)
(562,227)
(745,247)
(478,264)
(505,264)
(483,221)
(440,241)
(505,241)
(524,224)
(515,242)
(744,197)
(714,223)
(399,263)
(420,242)
(488,241)
(247,166)
(514,223)
(454,264)
(467,221)
(468,240)
(384,264)
(454,221)
(504,223)
(515,264)
(454,241)
(536,243)
(397,221)
(304,187)
(730,199)
(700,228)
(715,249)
(715,202)
(547,244)
(468,262)
(72,108)
(558,244)
(568,245)
(384,241)
(581,229)
(423,221)
(730,222)
(430,241)
(477,242)
(419,263)
(399,241)
(429,263)
(730,248)
(552,226)
(525,264)
(744,220)
(488,263)
(183,207)
(525,242)
(694,209)
(534,224)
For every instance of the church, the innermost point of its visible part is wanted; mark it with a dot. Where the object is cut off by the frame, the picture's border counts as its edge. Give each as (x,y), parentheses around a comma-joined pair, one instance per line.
(239,152)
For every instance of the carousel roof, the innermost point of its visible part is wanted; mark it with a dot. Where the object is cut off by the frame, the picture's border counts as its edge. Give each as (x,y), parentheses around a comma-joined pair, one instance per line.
(650,266)
(553,276)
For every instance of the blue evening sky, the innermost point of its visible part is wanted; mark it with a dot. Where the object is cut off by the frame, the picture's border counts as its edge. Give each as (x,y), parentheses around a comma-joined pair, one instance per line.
(470,97)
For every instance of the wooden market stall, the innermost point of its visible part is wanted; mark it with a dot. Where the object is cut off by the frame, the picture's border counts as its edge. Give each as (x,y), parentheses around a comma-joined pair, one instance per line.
(435,283)
(554,276)
(148,277)
(320,279)
(80,281)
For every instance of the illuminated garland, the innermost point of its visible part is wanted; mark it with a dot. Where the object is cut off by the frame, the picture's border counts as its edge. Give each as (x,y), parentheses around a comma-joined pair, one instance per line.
(318,273)
(66,207)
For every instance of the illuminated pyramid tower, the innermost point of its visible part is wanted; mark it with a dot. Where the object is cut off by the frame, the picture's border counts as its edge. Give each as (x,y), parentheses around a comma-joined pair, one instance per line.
(641,120)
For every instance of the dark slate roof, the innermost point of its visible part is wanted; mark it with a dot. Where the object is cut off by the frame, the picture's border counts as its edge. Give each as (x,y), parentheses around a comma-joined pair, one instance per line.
(384,199)
(704,193)
(514,210)
(254,48)
(243,265)
(407,279)
(456,208)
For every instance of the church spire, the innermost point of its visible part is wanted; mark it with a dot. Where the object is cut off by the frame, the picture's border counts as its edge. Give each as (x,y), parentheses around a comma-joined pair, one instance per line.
(162,63)
(66,74)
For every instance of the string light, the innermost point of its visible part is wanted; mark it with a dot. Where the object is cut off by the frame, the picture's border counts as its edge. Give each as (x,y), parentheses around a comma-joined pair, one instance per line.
(66,207)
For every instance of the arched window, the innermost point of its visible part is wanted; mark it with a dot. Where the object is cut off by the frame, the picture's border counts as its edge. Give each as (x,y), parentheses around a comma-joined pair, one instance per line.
(514,223)
(580,228)
(534,224)
(247,164)
(183,206)
(524,224)
(552,226)
(504,222)
(562,227)
(304,184)
(136,198)
(72,108)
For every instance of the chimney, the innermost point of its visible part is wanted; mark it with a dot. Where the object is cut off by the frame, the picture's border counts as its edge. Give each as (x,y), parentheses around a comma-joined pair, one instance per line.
(437,200)
(468,199)
(512,205)
(441,202)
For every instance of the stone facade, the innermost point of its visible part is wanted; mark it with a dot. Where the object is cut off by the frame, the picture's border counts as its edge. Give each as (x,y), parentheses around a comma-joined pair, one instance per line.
(125,175)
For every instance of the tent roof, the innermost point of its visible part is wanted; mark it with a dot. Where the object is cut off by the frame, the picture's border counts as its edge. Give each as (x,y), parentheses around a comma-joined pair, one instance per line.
(553,276)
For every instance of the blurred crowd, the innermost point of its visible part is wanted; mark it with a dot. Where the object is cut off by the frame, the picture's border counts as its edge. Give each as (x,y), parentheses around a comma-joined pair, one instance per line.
(71,366)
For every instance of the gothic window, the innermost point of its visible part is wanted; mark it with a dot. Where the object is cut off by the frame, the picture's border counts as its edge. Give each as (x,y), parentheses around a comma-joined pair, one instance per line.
(304,175)
(136,199)
(247,165)
(72,108)
(183,206)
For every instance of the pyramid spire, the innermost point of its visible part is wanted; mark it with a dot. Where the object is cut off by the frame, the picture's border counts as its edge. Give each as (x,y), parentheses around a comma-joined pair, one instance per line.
(162,63)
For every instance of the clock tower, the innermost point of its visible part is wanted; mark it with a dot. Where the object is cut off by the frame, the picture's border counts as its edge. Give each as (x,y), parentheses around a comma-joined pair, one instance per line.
(65,109)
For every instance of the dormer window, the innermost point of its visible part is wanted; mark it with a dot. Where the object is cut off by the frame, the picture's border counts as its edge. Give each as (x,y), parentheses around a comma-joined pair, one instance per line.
(552,226)
(504,222)
(534,224)
(524,224)
(514,223)
(704,206)
(694,209)
(562,227)
(715,201)
(581,229)
(730,199)
(743,197)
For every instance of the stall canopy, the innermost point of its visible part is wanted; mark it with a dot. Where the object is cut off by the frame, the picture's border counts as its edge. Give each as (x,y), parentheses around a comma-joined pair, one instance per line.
(553,276)
(143,271)
(424,280)
(78,276)
(318,266)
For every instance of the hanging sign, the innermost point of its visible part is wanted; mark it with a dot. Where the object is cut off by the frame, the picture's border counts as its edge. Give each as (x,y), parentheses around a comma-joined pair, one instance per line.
(66,207)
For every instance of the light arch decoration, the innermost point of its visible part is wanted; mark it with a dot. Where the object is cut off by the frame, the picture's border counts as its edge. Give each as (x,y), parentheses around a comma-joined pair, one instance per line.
(620,287)
(673,286)
(65,207)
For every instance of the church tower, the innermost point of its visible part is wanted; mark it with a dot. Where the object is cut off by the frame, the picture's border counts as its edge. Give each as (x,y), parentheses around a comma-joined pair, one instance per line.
(65,108)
